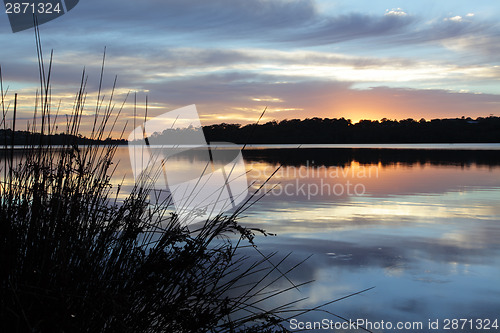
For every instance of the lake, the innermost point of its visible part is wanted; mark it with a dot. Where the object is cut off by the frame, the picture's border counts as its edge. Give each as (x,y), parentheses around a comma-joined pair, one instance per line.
(419,223)
(422,226)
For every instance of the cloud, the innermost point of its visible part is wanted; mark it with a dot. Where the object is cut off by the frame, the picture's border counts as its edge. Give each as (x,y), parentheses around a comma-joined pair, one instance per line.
(395,12)
(297,22)
(164,64)
(235,58)
(328,30)
(235,86)
(157,25)
(486,46)
(191,16)
(238,94)
(454,18)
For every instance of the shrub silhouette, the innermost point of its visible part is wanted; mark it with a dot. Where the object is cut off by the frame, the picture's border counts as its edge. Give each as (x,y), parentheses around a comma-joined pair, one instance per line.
(78,257)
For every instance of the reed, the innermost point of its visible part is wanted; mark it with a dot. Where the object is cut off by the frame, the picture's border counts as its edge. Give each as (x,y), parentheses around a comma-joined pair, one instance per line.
(76,258)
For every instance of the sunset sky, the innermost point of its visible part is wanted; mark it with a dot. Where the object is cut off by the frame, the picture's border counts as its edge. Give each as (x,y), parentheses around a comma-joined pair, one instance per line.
(299,58)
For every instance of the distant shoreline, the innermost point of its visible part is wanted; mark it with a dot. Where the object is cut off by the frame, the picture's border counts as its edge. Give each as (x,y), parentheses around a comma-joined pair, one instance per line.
(315,131)
(391,146)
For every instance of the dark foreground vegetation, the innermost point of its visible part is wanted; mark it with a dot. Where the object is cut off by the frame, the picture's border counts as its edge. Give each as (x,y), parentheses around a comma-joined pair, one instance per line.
(324,130)
(77,255)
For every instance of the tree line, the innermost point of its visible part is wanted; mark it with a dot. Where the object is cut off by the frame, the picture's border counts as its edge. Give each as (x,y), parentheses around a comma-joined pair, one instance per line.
(8,137)
(326,130)
(312,130)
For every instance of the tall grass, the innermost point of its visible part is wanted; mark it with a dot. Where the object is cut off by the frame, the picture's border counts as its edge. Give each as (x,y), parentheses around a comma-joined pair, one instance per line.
(75,258)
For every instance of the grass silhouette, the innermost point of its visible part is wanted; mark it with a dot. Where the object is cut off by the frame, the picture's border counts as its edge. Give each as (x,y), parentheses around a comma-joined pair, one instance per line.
(76,258)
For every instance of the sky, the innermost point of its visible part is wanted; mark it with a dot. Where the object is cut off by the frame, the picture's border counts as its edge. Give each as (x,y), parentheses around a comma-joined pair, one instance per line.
(362,59)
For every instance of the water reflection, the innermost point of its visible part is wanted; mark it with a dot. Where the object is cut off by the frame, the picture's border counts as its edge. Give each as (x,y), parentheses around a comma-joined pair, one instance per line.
(426,233)
(424,230)
(336,156)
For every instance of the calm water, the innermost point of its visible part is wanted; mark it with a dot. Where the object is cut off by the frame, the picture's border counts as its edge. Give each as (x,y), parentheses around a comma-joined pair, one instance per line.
(421,226)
